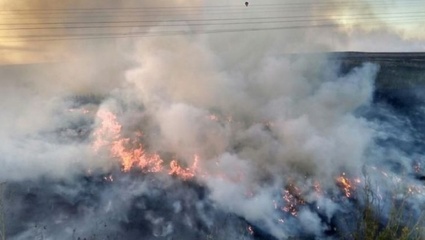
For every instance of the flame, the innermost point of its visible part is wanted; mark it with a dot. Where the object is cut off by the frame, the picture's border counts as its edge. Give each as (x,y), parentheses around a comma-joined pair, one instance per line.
(292,198)
(132,154)
(135,157)
(347,186)
(109,130)
(317,187)
(185,173)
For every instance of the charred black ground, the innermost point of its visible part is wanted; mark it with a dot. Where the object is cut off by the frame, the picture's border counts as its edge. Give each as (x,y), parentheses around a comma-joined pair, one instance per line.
(149,206)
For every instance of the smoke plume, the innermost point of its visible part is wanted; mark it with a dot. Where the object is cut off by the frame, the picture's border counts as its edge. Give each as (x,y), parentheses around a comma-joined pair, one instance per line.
(197,136)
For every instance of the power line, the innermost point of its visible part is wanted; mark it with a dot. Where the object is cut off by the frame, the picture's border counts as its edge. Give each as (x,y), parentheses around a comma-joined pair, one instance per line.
(222,20)
(89,36)
(94,12)
(206,7)
(173,26)
(166,17)
(234,21)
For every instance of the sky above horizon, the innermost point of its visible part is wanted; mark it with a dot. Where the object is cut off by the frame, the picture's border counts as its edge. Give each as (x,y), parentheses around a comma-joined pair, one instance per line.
(375,26)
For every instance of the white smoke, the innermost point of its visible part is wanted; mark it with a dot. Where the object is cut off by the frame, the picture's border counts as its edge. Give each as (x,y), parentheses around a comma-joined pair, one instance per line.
(307,107)
(251,112)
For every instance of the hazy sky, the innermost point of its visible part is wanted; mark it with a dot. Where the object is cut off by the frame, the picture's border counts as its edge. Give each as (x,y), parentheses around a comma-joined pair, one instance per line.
(384,25)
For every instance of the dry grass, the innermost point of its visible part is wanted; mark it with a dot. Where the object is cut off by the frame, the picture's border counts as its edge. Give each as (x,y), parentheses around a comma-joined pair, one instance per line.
(398,225)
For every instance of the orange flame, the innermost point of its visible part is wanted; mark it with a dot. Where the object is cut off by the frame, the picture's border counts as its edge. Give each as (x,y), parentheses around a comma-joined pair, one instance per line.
(109,130)
(347,185)
(185,173)
(293,199)
(135,157)
(108,136)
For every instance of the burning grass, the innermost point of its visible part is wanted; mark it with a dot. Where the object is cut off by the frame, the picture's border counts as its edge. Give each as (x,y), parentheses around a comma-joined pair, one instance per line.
(367,217)
(131,153)
(371,222)
(298,199)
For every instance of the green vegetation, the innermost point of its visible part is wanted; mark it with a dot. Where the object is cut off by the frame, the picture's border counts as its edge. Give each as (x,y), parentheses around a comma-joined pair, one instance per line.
(398,225)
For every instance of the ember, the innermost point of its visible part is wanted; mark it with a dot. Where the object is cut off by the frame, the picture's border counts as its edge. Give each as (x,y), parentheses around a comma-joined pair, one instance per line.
(108,137)
(346,185)
(292,199)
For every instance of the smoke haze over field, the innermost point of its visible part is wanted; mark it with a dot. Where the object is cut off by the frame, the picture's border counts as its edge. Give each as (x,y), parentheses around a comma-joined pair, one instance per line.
(355,26)
(265,134)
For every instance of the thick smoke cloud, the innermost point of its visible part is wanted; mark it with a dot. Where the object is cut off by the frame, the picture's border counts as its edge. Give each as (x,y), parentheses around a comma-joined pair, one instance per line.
(286,115)
(32,95)
(260,120)
(302,104)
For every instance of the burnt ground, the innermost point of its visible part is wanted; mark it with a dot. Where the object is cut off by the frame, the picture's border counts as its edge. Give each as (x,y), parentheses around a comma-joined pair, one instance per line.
(77,210)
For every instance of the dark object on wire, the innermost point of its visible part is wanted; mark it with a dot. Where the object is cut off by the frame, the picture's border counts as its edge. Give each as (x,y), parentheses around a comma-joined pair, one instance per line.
(246,4)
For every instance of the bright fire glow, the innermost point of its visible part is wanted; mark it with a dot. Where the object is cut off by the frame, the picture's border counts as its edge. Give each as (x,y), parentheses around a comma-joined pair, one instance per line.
(133,155)
(348,186)
(293,199)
